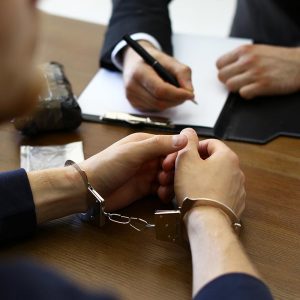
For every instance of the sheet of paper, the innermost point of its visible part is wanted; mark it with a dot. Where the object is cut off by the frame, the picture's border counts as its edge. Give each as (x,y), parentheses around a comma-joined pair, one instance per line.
(106,91)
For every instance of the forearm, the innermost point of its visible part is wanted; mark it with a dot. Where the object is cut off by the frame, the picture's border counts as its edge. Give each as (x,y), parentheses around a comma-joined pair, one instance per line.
(57,193)
(215,248)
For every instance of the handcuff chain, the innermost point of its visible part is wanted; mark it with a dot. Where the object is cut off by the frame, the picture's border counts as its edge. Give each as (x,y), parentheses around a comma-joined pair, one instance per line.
(113,217)
(117,218)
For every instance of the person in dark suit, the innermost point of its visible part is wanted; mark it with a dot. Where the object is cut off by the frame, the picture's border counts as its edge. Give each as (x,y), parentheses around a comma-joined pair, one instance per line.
(136,166)
(270,67)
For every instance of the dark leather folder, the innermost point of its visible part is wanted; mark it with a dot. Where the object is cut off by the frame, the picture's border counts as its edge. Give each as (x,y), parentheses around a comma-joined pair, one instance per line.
(257,121)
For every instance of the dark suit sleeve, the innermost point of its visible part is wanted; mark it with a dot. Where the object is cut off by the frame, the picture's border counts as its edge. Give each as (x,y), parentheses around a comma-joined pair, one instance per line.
(235,286)
(27,280)
(17,210)
(132,16)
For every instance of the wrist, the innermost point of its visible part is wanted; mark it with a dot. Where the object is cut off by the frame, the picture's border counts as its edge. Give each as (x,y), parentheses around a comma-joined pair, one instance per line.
(129,53)
(57,193)
(202,219)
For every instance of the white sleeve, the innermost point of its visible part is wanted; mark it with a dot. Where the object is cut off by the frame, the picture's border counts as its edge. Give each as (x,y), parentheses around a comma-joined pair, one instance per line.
(115,55)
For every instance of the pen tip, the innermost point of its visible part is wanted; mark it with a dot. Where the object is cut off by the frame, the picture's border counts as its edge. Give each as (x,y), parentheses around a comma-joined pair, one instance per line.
(194,101)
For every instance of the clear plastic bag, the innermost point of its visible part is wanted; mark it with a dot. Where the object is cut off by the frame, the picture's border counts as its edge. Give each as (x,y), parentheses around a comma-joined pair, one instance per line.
(46,157)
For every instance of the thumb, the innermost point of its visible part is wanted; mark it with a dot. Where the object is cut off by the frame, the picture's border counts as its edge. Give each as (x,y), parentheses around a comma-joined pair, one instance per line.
(159,145)
(182,72)
(192,146)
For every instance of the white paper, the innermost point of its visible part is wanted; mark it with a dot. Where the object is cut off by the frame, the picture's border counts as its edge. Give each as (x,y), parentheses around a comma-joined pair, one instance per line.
(106,91)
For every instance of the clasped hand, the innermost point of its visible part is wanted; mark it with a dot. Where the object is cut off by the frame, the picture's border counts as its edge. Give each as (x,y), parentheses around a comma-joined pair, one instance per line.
(144,164)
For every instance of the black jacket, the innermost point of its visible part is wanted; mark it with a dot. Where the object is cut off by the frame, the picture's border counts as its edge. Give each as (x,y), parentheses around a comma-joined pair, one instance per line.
(275,22)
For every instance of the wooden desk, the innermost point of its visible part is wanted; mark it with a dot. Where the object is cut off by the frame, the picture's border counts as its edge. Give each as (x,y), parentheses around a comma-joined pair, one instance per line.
(135,264)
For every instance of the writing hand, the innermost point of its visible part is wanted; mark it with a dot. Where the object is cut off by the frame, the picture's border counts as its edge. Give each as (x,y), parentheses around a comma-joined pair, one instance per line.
(145,90)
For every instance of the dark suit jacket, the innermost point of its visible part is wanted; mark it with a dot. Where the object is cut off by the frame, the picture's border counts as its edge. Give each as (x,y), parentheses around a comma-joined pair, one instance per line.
(274,22)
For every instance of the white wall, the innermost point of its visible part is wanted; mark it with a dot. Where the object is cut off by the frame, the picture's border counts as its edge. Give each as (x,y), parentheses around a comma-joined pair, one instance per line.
(207,17)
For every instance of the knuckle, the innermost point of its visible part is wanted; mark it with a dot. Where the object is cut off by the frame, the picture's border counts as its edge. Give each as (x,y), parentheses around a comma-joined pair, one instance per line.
(249,60)
(258,72)
(245,94)
(245,49)
(264,83)
(221,76)
(136,75)
(157,140)
(233,157)
(185,69)
(230,85)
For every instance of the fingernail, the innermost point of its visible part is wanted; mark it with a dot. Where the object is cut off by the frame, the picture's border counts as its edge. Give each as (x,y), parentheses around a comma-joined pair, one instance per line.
(179,140)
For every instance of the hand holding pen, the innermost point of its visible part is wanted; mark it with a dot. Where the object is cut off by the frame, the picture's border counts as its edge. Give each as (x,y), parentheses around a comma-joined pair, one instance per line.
(145,87)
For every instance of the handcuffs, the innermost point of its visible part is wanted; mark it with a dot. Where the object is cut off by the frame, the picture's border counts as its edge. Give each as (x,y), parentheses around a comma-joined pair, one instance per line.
(168,224)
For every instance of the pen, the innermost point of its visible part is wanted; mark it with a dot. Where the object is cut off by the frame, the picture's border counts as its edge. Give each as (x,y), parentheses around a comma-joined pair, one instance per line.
(151,61)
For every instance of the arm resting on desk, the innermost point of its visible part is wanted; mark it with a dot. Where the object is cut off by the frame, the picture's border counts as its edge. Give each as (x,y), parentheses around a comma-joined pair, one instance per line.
(221,269)
(28,200)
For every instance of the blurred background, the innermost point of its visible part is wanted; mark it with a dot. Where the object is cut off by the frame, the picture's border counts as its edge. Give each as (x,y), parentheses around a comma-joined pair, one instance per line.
(206,17)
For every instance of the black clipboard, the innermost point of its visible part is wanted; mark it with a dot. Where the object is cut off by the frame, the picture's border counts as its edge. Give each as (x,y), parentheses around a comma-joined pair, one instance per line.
(259,120)
(254,121)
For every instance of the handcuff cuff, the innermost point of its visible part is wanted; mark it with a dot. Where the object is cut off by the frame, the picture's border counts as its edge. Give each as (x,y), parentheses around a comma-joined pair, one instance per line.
(168,224)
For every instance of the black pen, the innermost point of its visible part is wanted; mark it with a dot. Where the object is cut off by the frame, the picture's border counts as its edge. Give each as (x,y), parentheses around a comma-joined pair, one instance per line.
(151,61)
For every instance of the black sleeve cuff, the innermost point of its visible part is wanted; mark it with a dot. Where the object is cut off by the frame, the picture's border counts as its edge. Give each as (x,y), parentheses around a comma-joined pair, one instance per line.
(17,213)
(132,16)
(235,286)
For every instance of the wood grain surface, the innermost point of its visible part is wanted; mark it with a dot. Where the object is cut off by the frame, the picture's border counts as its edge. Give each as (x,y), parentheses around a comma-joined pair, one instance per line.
(136,265)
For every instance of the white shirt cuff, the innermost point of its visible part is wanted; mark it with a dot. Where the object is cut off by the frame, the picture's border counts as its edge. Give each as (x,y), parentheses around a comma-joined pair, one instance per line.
(115,55)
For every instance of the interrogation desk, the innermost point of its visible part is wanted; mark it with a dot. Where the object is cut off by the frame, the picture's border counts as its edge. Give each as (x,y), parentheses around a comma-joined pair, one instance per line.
(134,264)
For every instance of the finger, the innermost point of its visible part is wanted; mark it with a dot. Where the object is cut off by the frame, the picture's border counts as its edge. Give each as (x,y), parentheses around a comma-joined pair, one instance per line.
(228,58)
(166,193)
(182,72)
(253,90)
(135,137)
(162,103)
(141,99)
(213,147)
(157,146)
(235,83)
(231,70)
(168,163)
(192,146)
(160,89)
(166,178)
